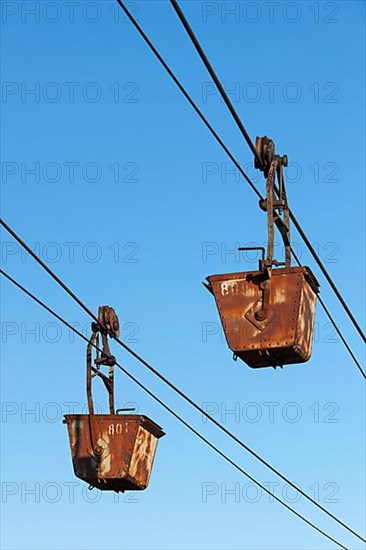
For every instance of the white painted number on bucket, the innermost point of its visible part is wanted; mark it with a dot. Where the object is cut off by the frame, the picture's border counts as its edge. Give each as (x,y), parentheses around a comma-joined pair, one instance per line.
(114,429)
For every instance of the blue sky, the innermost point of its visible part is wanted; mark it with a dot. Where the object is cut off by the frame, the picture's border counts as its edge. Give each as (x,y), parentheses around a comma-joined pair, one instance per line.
(110,175)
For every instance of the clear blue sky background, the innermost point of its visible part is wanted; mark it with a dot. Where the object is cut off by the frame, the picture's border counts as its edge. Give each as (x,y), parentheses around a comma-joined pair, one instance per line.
(159,222)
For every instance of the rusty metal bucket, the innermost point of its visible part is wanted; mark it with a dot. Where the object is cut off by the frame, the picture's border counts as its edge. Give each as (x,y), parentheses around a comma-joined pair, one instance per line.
(284,335)
(113,452)
(268,315)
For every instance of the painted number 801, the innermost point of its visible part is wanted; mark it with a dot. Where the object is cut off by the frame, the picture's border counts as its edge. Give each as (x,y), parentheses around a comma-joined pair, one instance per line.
(114,429)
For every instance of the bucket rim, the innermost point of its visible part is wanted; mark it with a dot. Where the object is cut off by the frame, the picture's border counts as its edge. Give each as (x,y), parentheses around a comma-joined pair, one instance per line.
(143,420)
(238,275)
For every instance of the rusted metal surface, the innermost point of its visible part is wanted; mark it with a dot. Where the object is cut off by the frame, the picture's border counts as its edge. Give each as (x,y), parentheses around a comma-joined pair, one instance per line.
(282,336)
(113,452)
(268,315)
(275,203)
(109,451)
(108,324)
(266,150)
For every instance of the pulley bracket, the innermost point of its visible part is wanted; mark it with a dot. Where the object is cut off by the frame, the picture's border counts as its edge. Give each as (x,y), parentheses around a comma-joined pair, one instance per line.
(107,325)
(276,206)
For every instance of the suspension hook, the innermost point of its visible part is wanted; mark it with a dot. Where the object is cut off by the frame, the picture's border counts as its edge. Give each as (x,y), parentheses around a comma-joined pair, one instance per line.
(107,325)
(276,207)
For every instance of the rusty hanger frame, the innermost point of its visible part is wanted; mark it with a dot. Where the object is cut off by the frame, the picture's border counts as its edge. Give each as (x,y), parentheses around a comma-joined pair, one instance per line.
(275,203)
(276,206)
(106,318)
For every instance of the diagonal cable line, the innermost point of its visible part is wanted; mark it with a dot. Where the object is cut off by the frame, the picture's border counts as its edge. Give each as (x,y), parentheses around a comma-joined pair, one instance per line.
(216,80)
(239,123)
(189,99)
(182,394)
(337,329)
(208,125)
(172,412)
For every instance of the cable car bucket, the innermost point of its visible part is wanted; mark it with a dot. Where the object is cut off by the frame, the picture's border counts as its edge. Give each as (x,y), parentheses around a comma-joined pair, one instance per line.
(112,452)
(268,315)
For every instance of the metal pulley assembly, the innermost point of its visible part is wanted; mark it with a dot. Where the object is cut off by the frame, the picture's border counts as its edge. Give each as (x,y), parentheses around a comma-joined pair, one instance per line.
(112,452)
(268,315)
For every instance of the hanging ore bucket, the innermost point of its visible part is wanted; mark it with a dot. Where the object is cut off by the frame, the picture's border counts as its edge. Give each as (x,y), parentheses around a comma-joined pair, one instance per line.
(268,314)
(279,336)
(112,452)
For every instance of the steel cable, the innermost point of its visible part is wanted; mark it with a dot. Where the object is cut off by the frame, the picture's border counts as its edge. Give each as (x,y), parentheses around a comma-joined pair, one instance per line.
(240,125)
(214,133)
(172,412)
(175,388)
